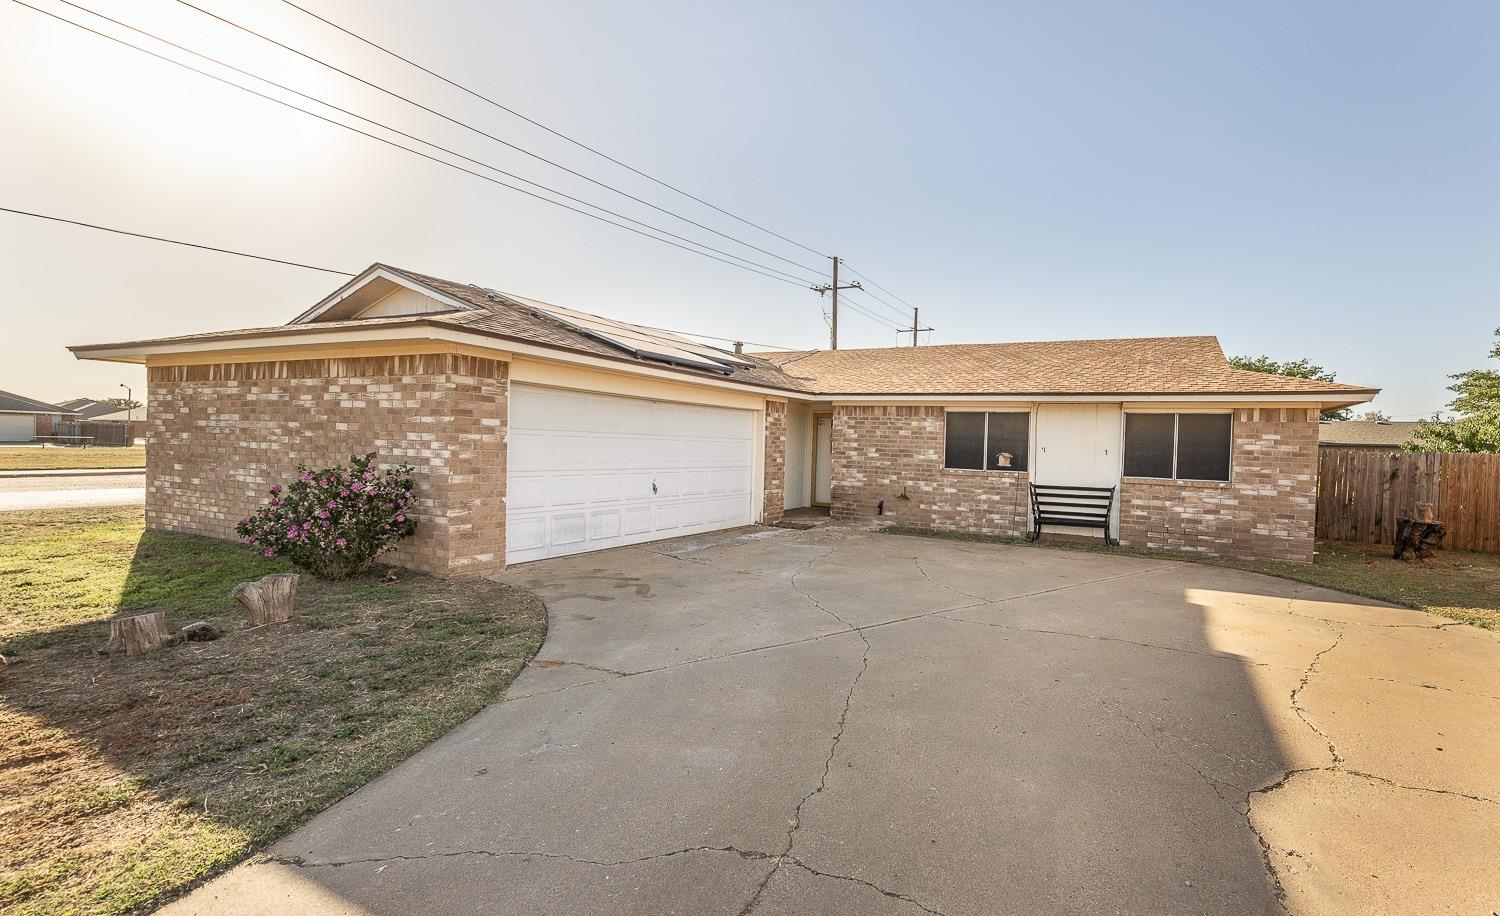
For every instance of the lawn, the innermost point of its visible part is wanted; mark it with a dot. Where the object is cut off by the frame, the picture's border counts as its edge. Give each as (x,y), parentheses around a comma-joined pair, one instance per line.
(31,458)
(124,782)
(1454,584)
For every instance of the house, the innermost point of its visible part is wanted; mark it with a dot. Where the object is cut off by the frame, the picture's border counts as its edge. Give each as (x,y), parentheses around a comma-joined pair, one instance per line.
(24,419)
(538,431)
(1377,435)
(104,423)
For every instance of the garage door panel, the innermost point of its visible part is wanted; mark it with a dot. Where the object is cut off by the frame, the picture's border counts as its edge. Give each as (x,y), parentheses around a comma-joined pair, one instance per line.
(582,470)
(605,524)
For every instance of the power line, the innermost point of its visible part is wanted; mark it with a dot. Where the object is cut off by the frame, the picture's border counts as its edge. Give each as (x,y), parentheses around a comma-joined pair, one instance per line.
(879,287)
(433,111)
(413,137)
(157,238)
(756,270)
(342,273)
(554,132)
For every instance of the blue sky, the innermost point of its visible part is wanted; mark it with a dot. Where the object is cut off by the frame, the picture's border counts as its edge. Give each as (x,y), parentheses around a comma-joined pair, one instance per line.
(1318,180)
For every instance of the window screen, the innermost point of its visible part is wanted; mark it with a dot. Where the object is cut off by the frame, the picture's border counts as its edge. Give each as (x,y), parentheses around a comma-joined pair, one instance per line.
(1183,446)
(1148,444)
(965,441)
(1009,433)
(1203,446)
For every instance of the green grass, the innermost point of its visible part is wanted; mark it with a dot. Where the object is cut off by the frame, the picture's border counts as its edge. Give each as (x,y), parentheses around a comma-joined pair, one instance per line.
(51,459)
(126,781)
(1454,584)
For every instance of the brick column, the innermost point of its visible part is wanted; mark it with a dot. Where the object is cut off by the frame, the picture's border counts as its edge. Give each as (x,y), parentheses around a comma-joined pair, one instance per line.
(775,461)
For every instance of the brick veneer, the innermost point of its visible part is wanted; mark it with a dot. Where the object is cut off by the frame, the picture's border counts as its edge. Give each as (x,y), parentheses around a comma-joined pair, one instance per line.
(775,462)
(222,434)
(883,452)
(1267,510)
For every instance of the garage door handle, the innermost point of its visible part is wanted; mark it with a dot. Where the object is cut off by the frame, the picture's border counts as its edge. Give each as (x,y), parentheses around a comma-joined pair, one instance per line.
(653,488)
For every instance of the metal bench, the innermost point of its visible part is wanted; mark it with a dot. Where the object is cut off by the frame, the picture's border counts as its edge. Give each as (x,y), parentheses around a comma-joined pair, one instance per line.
(1075,507)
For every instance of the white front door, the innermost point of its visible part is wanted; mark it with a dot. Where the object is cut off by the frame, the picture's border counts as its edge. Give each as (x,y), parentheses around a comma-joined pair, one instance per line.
(590,471)
(823,461)
(1078,445)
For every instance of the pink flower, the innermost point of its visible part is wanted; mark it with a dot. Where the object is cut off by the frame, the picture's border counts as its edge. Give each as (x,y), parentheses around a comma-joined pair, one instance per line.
(341,543)
(276,490)
(333,504)
(323,513)
(401,518)
(270,553)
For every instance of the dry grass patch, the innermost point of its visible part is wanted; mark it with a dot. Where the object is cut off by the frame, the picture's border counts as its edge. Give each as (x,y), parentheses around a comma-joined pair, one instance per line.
(52,459)
(124,782)
(1455,584)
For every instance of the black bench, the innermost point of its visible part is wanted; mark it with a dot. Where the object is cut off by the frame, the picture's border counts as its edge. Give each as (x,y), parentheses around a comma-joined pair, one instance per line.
(1076,507)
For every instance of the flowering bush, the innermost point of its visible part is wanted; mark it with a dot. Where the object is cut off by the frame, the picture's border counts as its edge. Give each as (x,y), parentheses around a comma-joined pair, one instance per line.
(334,522)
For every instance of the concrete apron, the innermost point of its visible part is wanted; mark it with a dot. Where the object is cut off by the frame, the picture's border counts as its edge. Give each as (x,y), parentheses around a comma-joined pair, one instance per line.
(836,721)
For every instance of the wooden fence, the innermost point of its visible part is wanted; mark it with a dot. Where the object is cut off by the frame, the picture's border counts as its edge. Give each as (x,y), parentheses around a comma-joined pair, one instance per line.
(1362,492)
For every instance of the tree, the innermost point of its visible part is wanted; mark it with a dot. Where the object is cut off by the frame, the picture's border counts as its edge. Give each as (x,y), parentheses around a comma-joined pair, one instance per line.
(1297,368)
(1373,416)
(122,403)
(1477,426)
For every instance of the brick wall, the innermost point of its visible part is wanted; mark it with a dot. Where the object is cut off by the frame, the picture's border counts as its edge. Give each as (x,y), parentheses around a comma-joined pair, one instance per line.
(880,453)
(775,462)
(222,434)
(1267,510)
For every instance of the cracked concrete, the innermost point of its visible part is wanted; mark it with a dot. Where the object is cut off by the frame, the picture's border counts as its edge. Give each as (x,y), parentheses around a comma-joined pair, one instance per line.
(838,721)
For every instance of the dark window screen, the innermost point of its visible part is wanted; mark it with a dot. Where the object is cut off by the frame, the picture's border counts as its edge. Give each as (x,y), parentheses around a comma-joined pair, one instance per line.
(1202,446)
(1009,432)
(965,443)
(1148,444)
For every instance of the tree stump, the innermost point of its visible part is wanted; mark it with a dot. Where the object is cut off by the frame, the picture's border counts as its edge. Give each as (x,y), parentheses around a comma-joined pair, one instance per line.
(1419,536)
(269,599)
(137,635)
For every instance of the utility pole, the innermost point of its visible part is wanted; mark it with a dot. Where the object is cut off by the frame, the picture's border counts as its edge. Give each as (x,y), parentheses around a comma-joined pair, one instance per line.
(834,287)
(916,327)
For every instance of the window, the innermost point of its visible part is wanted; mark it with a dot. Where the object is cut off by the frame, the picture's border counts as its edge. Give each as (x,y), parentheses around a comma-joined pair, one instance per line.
(1179,446)
(988,441)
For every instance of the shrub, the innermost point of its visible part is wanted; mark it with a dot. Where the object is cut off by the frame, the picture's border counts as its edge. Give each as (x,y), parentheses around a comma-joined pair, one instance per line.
(333,522)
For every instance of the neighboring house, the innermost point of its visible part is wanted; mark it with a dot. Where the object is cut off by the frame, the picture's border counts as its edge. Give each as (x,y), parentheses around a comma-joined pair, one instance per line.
(24,419)
(538,431)
(1381,435)
(107,424)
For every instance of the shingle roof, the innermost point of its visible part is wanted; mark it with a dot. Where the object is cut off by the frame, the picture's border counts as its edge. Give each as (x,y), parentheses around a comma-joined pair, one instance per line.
(1368,433)
(1139,366)
(1133,365)
(17,403)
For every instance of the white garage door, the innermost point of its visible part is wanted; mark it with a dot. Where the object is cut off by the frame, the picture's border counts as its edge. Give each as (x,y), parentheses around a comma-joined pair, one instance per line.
(17,427)
(589,471)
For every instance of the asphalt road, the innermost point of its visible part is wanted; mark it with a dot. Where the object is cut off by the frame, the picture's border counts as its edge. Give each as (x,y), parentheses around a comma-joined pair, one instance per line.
(17,493)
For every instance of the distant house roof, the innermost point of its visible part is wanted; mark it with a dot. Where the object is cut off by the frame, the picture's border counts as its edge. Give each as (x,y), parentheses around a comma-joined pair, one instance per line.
(1147,366)
(90,409)
(16,403)
(116,414)
(1365,433)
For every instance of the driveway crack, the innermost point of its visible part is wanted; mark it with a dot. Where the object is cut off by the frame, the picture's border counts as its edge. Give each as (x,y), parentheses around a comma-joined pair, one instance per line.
(1302,712)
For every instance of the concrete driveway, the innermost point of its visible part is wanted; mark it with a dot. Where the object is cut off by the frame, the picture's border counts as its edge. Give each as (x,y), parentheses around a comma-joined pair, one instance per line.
(837,721)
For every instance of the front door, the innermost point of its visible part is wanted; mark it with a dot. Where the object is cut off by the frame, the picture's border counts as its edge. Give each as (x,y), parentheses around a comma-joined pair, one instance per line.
(823,460)
(1078,445)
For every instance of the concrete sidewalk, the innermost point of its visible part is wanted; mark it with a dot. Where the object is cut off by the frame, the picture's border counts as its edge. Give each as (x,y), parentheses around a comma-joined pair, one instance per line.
(842,722)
